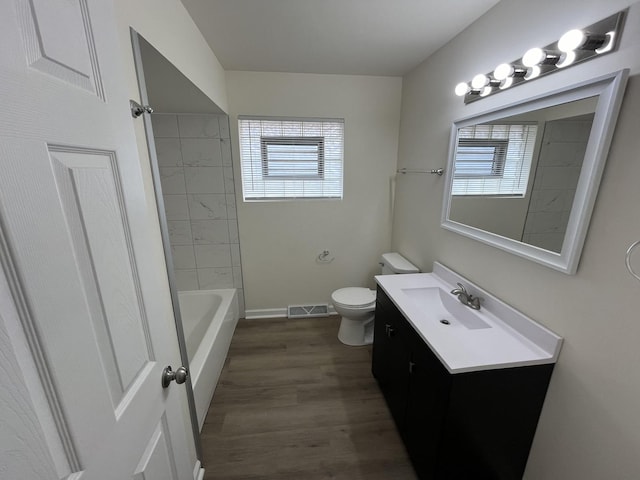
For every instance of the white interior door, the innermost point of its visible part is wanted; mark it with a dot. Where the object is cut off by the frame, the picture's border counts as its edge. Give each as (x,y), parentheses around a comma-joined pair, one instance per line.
(85,318)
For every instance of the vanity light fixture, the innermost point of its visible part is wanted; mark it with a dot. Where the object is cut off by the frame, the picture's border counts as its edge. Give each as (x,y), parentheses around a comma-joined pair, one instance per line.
(575,46)
(505,73)
(480,85)
(506,70)
(537,57)
(580,40)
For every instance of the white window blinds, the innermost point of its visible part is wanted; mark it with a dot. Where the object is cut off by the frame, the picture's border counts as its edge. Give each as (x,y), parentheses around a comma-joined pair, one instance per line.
(288,158)
(494,159)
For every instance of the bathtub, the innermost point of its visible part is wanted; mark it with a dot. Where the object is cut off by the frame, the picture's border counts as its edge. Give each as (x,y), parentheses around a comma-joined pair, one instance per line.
(209,318)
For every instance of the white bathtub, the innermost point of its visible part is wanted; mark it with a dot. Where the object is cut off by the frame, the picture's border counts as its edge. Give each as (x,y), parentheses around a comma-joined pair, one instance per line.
(209,318)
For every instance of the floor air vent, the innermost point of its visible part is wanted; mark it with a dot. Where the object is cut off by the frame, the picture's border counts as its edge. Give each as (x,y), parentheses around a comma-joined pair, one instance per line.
(306,311)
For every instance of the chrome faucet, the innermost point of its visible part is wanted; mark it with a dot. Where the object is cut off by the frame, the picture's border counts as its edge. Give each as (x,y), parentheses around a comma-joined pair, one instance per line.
(466,298)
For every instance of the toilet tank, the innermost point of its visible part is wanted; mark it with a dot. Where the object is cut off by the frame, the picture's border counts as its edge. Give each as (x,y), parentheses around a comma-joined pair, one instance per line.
(393,263)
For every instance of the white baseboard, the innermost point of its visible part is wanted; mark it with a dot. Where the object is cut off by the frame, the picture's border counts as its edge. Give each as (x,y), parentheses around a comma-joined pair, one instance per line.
(258,314)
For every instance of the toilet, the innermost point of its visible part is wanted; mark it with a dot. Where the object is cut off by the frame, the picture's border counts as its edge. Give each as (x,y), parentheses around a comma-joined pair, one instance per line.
(357,305)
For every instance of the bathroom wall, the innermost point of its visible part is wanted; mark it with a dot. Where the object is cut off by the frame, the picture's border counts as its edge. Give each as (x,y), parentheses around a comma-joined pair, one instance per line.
(194,156)
(281,240)
(169,28)
(589,428)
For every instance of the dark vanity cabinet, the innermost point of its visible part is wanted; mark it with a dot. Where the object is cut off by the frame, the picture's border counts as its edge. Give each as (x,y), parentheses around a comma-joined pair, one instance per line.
(391,357)
(465,426)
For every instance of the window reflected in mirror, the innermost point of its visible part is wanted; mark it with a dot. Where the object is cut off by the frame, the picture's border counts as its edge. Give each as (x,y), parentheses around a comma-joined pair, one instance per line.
(494,159)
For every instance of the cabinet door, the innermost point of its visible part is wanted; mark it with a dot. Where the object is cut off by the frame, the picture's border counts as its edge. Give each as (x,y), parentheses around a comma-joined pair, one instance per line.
(429,388)
(391,359)
(491,420)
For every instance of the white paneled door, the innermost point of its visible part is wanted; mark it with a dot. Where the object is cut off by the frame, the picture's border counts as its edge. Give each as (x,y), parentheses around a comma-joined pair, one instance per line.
(85,320)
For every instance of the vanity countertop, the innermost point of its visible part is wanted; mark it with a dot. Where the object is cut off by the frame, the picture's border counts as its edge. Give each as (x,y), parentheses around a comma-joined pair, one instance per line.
(509,338)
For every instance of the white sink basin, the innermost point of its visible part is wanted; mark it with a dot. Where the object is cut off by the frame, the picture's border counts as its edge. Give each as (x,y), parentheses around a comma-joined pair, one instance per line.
(441,306)
(496,336)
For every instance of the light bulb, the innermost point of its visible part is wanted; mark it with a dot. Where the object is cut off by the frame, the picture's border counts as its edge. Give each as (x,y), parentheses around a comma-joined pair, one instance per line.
(608,44)
(479,81)
(532,72)
(503,71)
(566,59)
(533,57)
(462,89)
(506,83)
(571,40)
(486,91)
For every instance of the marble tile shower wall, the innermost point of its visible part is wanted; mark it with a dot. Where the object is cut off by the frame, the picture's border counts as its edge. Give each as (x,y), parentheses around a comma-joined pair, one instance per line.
(564,143)
(194,156)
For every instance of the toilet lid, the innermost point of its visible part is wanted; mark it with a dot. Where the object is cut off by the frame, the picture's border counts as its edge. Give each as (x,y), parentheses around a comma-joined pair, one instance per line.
(354,296)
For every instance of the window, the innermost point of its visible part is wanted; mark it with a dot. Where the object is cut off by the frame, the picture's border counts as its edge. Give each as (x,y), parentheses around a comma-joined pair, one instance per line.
(494,159)
(480,158)
(290,158)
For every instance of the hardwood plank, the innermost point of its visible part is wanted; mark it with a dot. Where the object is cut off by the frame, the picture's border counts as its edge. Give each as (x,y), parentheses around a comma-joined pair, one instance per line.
(294,403)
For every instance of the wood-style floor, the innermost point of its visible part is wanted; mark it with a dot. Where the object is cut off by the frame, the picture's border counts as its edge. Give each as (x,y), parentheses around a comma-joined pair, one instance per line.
(293,403)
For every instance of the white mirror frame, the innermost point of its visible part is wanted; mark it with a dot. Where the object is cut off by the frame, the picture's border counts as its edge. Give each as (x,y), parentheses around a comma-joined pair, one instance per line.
(610,89)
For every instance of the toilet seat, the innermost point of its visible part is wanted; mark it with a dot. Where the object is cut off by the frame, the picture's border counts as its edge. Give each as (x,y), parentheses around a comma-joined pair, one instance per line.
(354,297)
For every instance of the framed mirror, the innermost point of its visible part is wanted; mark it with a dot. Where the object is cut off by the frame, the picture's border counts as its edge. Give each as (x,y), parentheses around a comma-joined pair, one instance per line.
(524,178)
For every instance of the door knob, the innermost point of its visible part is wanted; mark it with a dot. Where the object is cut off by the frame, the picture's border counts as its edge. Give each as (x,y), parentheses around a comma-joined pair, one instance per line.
(168,375)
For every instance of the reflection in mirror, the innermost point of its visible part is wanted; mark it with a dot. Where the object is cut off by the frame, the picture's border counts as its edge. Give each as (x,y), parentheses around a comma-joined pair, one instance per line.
(524,178)
(517,176)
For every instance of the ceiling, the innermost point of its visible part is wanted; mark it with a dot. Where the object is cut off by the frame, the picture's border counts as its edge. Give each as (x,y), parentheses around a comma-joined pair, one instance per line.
(359,37)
